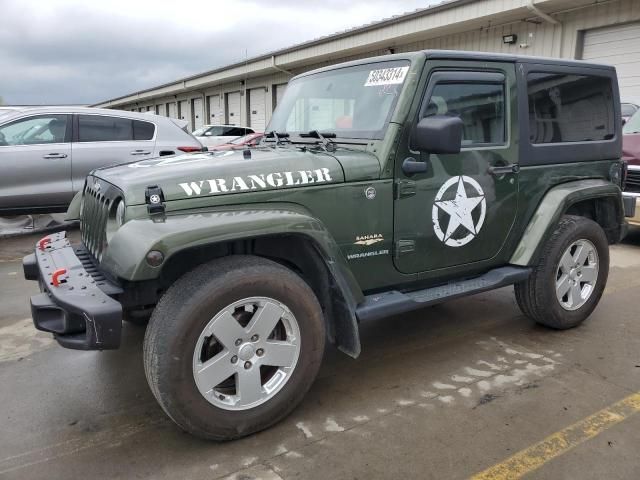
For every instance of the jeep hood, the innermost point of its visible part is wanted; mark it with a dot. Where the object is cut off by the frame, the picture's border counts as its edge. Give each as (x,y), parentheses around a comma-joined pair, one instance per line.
(228,173)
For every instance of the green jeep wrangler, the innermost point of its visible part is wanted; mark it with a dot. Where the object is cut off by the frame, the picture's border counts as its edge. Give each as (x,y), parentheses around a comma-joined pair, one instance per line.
(384,185)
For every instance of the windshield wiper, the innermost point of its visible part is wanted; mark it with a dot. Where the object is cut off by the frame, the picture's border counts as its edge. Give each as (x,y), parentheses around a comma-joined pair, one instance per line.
(326,144)
(278,136)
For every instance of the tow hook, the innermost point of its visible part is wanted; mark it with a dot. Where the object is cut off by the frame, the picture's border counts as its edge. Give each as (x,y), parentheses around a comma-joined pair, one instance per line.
(43,243)
(55,277)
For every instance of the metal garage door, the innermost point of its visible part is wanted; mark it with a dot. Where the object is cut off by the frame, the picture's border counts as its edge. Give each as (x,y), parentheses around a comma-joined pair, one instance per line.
(216,110)
(197,113)
(618,46)
(183,110)
(257,109)
(172,110)
(280,92)
(233,107)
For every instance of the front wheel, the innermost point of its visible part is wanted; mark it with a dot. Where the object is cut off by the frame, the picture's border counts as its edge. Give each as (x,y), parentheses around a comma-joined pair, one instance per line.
(233,346)
(569,278)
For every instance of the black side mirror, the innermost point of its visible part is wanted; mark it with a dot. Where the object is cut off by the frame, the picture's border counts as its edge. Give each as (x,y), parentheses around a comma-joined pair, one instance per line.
(438,134)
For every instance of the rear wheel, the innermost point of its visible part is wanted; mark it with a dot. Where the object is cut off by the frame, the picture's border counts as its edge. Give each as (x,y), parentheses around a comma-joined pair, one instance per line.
(233,346)
(567,282)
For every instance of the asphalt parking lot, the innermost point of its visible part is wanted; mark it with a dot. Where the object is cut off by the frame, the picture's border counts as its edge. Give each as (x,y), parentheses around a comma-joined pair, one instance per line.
(448,392)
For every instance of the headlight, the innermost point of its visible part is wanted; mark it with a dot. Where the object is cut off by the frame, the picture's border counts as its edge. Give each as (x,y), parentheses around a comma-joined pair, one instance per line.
(115,218)
(120,213)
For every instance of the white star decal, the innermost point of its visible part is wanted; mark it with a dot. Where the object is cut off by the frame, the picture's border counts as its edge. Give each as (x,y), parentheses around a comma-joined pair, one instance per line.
(460,211)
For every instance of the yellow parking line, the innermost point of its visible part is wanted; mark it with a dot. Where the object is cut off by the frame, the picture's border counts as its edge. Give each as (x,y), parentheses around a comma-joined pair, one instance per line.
(535,456)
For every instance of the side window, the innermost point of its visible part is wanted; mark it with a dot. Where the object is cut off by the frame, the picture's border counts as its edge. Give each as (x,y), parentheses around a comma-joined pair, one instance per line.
(216,131)
(238,132)
(99,128)
(570,108)
(35,130)
(628,109)
(143,130)
(480,106)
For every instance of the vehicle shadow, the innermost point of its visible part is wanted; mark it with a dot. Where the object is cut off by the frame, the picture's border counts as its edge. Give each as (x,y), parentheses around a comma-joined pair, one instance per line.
(632,237)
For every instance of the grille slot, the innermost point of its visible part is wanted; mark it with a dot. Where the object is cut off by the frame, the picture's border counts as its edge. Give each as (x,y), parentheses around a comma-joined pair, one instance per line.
(633,181)
(96,202)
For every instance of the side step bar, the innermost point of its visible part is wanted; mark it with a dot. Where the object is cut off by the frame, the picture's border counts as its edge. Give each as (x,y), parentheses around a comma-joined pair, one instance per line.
(385,304)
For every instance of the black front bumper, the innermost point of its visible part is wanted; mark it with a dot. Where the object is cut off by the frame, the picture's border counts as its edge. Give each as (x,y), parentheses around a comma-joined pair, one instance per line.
(75,305)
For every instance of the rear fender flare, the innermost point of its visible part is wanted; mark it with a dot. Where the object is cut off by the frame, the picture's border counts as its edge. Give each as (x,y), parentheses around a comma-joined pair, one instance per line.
(556,202)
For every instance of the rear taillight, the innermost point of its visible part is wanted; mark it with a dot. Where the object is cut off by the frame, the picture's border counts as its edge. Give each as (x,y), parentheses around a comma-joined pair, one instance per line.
(190,149)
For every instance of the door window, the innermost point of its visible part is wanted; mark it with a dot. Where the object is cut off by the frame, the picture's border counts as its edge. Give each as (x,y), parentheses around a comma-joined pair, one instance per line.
(237,132)
(41,129)
(480,106)
(98,128)
(101,128)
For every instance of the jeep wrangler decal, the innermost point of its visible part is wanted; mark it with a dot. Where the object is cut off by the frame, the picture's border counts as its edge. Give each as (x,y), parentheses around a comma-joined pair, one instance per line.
(460,211)
(375,253)
(256,182)
(368,239)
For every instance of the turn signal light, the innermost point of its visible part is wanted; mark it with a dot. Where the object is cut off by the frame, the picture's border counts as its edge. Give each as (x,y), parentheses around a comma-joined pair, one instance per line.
(190,149)
(155,258)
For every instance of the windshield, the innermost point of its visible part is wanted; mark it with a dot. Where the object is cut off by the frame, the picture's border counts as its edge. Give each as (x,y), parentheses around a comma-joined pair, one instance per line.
(352,102)
(632,125)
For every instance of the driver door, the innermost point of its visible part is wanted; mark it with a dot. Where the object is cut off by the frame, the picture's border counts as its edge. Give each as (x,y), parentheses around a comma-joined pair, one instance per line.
(461,209)
(35,160)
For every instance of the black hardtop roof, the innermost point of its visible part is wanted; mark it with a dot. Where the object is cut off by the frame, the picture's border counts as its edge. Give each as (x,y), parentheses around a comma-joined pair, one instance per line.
(467,55)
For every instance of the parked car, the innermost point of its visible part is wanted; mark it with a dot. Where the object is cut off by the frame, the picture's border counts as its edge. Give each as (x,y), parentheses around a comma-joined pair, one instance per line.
(631,140)
(628,108)
(212,135)
(240,143)
(47,152)
(6,110)
(386,185)
(631,155)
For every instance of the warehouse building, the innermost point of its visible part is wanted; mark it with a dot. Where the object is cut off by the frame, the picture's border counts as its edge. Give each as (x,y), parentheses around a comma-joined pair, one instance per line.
(605,31)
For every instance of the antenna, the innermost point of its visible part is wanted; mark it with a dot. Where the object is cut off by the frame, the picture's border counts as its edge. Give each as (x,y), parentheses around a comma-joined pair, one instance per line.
(246,153)
(246,99)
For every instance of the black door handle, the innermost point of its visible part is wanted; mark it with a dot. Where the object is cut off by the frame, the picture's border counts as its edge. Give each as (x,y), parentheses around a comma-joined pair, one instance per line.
(504,169)
(410,166)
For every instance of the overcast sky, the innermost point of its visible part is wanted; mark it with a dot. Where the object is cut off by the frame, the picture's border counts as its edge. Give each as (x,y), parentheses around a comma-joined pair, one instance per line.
(83,51)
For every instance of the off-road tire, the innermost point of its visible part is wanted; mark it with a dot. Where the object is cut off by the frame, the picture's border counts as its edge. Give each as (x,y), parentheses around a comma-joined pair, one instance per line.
(183,312)
(536,296)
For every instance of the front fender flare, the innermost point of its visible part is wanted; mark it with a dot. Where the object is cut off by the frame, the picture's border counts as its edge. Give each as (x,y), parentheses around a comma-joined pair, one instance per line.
(554,204)
(125,257)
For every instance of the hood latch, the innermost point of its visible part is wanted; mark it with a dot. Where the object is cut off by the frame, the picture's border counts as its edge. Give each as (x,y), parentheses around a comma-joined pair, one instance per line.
(154,198)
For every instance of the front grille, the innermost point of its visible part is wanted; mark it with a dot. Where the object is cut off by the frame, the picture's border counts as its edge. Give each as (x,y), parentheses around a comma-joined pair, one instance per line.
(633,181)
(97,199)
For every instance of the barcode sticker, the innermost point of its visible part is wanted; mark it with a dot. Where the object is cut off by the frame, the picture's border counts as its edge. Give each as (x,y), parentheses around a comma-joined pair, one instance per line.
(386,76)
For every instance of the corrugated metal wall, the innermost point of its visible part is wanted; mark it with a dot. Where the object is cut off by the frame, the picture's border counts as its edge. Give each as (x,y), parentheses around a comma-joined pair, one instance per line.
(535,37)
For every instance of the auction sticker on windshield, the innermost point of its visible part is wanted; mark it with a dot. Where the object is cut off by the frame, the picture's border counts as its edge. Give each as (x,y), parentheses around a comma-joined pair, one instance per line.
(386,76)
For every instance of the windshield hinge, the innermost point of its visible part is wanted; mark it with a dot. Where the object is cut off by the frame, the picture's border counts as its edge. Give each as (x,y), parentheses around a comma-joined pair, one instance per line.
(405,188)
